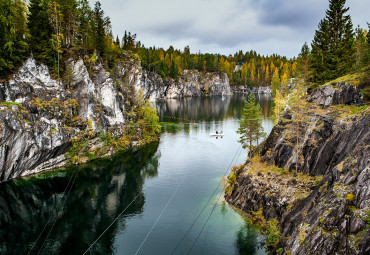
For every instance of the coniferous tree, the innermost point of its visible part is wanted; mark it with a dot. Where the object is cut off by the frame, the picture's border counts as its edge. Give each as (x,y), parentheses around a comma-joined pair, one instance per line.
(99,29)
(13,34)
(332,47)
(84,37)
(41,32)
(304,60)
(250,124)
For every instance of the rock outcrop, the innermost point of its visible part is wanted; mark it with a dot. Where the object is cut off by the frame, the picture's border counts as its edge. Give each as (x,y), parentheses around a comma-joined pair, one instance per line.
(325,207)
(254,90)
(39,115)
(41,118)
(339,93)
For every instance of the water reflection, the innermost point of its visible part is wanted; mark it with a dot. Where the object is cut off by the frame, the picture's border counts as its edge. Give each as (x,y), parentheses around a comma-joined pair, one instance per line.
(100,192)
(104,188)
(247,240)
(210,108)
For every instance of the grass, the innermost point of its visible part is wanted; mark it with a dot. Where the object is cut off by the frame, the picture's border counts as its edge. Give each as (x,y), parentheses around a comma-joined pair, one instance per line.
(303,232)
(296,186)
(10,103)
(353,78)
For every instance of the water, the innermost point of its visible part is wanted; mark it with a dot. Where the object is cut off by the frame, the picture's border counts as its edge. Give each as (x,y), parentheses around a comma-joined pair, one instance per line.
(150,196)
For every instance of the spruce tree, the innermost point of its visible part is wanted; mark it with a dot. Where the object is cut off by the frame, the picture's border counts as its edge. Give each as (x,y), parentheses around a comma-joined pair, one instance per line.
(99,29)
(13,35)
(41,32)
(250,124)
(332,47)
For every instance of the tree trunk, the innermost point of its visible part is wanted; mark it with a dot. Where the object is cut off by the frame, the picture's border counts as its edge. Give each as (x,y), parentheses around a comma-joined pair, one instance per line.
(250,151)
(296,163)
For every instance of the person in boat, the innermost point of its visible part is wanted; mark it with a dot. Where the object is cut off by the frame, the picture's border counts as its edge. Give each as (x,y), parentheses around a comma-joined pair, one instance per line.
(216,132)
(221,132)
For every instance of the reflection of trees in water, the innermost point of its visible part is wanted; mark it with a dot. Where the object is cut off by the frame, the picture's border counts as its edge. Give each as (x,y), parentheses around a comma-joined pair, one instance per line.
(246,242)
(101,191)
(209,108)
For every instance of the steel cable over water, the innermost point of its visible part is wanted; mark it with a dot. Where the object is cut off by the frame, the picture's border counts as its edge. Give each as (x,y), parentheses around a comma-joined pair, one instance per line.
(65,200)
(193,124)
(51,216)
(168,202)
(204,207)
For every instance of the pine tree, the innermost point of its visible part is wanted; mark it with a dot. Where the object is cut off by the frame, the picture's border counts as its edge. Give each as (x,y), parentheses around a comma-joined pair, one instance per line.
(250,124)
(304,60)
(99,29)
(13,35)
(332,47)
(84,36)
(41,32)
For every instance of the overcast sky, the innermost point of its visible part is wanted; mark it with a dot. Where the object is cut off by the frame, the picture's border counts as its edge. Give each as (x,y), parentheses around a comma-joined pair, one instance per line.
(225,26)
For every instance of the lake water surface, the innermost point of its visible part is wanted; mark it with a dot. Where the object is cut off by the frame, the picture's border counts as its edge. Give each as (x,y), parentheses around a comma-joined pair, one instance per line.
(161,199)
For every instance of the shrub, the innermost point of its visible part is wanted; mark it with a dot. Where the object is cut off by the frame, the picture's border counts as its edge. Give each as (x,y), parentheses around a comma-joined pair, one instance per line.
(272,233)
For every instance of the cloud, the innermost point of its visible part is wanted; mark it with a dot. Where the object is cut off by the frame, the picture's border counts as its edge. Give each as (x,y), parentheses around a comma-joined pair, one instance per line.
(225,26)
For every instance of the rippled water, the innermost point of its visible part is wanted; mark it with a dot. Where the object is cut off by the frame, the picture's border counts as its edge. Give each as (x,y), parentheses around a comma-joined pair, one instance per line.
(149,197)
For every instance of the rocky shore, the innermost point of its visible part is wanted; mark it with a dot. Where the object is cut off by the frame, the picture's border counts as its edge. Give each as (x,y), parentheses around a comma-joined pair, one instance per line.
(324,208)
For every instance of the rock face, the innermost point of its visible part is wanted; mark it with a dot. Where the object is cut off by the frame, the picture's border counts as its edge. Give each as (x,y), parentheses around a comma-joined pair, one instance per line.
(190,84)
(332,212)
(254,90)
(40,116)
(339,93)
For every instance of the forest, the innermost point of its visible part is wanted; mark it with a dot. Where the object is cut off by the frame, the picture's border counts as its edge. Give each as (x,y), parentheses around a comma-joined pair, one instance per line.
(55,30)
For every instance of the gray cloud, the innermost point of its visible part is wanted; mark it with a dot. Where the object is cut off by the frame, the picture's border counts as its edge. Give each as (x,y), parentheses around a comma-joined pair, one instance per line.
(219,26)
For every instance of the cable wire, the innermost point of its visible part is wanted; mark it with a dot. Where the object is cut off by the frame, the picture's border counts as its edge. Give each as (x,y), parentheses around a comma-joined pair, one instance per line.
(51,216)
(56,218)
(204,207)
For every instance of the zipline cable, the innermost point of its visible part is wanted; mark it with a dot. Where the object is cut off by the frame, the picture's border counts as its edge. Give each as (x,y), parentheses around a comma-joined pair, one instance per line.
(119,215)
(204,207)
(214,207)
(51,216)
(56,218)
(160,215)
(168,202)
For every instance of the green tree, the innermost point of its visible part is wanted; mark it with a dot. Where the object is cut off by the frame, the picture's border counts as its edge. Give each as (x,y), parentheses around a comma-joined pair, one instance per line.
(298,106)
(332,47)
(84,36)
(13,34)
(41,32)
(275,81)
(99,29)
(304,60)
(250,124)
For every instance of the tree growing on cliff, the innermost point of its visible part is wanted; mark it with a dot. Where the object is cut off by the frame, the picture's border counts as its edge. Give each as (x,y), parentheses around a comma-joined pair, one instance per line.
(250,124)
(332,46)
(41,32)
(13,34)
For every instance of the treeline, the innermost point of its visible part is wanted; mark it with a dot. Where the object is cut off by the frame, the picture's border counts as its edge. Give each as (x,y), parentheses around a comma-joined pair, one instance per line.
(54,30)
(247,68)
(336,48)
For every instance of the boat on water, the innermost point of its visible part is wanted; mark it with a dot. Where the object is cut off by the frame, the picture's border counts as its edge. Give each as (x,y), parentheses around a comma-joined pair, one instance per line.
(214,134)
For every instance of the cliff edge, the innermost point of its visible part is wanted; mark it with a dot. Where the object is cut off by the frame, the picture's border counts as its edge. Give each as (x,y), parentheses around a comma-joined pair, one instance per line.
(324,208)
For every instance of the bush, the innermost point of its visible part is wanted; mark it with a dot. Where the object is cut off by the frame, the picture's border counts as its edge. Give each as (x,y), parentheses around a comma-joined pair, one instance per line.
(272,233)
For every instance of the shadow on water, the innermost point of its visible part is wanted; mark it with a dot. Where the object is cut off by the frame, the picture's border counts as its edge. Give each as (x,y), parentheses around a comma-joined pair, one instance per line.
(100,192)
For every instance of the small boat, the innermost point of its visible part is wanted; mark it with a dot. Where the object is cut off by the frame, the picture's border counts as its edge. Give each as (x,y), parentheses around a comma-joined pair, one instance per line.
(214,134)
